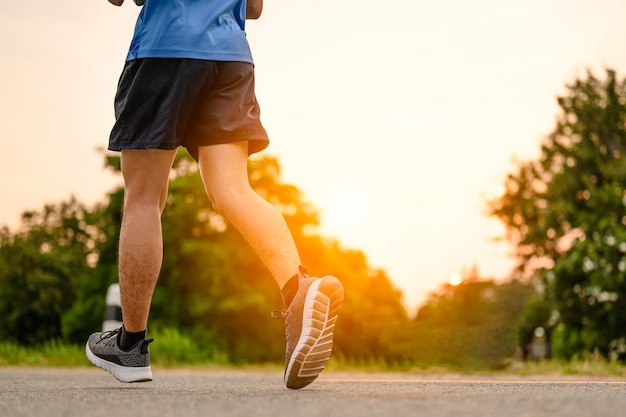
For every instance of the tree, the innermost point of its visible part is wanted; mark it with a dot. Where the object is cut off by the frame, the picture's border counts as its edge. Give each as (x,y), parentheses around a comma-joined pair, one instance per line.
(566,214)
(54,275)
(40,267)
(214,287)
(373,324)
(472,324)
(89,308)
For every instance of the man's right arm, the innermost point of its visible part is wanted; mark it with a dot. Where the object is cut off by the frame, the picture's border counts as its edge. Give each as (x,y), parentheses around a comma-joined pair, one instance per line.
(254,9)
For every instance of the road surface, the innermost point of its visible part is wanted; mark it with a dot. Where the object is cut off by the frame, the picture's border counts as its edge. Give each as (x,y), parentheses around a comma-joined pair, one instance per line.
(91,392)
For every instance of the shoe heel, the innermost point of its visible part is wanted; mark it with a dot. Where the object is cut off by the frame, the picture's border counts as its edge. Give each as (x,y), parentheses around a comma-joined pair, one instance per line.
(333,289)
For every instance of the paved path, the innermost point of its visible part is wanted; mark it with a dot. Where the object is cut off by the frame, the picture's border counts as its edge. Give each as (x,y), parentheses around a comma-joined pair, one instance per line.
(91,392)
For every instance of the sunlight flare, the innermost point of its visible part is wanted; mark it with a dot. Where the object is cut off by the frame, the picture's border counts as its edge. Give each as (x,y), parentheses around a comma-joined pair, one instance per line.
(455,280)
(344,208)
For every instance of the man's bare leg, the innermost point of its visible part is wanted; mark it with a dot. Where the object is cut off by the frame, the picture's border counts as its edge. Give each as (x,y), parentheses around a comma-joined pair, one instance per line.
(125,354)
(225,175)
(313,304)
(146,175)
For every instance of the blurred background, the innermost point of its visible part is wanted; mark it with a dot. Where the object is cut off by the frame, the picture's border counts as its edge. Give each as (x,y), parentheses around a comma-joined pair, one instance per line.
(459,166)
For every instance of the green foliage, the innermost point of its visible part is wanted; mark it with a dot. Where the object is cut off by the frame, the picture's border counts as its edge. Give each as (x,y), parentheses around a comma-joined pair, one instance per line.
(13,354)
(50,353)
(39,270)
(566,214)
(212,288)
(589,365)
(537,313)
(175,348)
(474,324)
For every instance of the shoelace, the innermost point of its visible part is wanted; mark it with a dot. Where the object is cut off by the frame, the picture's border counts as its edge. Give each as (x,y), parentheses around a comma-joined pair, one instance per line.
(279,314)
(107,335)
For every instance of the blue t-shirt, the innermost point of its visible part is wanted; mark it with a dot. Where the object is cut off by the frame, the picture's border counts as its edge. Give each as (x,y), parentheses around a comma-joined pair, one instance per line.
(201,29)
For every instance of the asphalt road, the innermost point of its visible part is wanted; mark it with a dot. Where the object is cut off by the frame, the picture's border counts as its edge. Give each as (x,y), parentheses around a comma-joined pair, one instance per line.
(92,392)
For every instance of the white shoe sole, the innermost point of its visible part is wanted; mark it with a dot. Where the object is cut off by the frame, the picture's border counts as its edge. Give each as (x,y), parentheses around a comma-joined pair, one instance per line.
(315,344)
(121,373)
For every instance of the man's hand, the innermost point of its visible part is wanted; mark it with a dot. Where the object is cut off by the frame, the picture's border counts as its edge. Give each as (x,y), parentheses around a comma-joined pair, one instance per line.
(137,2)
(253,8)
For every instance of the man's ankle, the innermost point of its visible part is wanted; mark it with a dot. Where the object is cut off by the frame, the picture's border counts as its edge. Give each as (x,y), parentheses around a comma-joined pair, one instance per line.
(127,340)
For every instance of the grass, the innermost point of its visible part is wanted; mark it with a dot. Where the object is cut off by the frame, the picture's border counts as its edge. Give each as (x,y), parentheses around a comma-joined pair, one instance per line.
(50,354)
(590,366)
(177,350)
(173,350)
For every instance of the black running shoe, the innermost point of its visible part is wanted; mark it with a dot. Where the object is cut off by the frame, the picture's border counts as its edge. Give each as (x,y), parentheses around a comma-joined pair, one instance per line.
(310,323)
(127,366)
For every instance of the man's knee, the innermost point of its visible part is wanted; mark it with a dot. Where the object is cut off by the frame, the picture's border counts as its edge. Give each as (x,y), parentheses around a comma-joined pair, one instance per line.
(144,201)
(226,199)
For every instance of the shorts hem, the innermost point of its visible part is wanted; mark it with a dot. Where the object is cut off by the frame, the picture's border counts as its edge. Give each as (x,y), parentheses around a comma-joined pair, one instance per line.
(254,146)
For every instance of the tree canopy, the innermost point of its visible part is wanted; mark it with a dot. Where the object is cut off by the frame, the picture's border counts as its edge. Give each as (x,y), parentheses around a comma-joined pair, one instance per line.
(566,212)
(212,287)
(473,324)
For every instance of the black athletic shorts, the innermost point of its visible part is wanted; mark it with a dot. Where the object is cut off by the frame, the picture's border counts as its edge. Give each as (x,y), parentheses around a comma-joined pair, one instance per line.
(164,103)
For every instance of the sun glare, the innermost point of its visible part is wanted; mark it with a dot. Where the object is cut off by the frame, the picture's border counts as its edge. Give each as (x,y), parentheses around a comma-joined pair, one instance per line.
(343,209)
(455,280)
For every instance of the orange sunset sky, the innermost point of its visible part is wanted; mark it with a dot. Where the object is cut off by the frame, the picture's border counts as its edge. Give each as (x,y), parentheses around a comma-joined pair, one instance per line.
(395,118)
